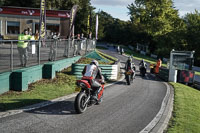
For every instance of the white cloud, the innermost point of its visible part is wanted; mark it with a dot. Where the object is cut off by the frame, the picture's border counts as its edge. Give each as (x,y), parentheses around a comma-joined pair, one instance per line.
(186,6)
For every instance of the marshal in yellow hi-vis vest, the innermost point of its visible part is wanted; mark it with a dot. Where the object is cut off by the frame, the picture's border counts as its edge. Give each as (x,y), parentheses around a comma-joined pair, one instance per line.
(23,44)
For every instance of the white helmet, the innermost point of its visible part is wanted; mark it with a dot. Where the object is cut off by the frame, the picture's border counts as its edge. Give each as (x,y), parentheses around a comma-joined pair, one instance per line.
(95,62)
(130,58)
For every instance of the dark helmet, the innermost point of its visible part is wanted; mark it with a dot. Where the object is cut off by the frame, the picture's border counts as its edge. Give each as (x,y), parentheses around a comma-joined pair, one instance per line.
(95,62)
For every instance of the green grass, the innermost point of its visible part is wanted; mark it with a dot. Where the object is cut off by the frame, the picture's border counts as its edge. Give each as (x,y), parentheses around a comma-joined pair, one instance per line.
(101,47)
(40,91)
(197,73)
(186,113)
(88,61)
(105,56)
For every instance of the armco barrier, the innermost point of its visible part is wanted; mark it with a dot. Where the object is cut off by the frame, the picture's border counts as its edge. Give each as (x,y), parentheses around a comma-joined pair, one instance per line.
(50,69)
(109,71)
(4,81)
(163,73)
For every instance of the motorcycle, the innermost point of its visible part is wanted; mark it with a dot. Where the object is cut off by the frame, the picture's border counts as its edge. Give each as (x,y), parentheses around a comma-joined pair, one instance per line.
(143,71)
(84,97)
(128,75)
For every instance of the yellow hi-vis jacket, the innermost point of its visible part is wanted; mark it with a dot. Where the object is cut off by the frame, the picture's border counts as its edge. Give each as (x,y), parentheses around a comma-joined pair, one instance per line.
(23,44)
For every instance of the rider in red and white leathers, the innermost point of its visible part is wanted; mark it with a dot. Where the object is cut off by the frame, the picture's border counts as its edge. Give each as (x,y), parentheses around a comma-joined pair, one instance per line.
(93,72)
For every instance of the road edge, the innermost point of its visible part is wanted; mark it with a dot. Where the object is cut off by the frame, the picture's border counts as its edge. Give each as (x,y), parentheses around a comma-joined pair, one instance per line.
(161,120)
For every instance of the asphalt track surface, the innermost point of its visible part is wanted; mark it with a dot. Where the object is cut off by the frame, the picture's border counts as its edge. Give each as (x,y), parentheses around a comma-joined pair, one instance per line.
(125,109)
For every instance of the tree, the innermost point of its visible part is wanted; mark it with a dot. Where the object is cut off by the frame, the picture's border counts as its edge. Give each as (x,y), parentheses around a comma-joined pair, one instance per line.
(81,21)
(19,3)
(192,36)
(2,2)
(157,20)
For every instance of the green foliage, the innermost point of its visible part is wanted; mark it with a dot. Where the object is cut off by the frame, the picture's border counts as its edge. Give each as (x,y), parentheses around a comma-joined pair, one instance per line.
(192,35)
(105,21)
(158,21)
(157,17)
(19,3)
(101,47)
(82,16)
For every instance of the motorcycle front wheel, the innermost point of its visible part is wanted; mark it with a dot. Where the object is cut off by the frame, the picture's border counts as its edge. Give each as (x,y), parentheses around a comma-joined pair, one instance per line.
(79,103)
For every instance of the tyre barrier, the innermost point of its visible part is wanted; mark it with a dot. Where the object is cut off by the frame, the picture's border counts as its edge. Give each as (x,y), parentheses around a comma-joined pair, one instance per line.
(108,71)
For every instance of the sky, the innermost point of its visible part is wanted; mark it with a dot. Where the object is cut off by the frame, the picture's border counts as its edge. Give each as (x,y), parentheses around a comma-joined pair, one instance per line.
(118,8)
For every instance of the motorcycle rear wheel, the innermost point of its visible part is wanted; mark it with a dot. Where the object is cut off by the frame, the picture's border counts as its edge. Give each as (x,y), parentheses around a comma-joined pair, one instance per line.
(79,103)
(128,79)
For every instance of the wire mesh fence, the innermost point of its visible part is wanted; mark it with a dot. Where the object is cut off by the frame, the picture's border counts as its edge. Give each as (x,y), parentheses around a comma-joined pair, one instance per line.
(39,52)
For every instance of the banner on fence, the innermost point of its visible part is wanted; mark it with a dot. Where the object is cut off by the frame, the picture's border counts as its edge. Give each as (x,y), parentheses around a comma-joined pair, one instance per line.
(97,25)
(42,19)
(72,18)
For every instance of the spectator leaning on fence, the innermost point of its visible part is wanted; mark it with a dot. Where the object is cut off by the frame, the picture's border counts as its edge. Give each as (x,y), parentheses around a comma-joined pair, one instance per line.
(22,47)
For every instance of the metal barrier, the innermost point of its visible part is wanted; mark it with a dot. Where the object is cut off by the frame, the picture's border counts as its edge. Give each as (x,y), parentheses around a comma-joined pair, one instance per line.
(40,52)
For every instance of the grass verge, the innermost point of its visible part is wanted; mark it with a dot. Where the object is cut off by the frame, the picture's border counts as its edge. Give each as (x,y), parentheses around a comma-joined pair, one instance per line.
(40,91)
(85,60)
(101,47)
(197,73)
(186,113)
(112,59)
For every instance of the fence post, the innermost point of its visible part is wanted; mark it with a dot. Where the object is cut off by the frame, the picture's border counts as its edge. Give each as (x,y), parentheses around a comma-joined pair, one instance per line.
(38,52)
(56,48)
(11,56)
(68,46)
(86,46)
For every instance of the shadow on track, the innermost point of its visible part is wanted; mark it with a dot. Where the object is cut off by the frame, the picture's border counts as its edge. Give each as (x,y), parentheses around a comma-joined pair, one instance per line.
(59,108)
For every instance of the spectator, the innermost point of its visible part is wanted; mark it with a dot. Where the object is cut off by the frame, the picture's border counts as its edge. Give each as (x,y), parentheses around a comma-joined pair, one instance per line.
(36,35)
(82,36)
(158,65)
(78,37)
(53,47)
(90,35)
(22,47)
(30,31)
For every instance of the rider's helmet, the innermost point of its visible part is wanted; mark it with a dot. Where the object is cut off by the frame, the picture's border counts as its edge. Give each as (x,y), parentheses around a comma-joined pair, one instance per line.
(94,62)
(130,58)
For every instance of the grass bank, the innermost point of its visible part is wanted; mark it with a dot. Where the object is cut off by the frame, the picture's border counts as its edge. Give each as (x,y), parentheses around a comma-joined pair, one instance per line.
(186,113)
(40,91)
(101,47)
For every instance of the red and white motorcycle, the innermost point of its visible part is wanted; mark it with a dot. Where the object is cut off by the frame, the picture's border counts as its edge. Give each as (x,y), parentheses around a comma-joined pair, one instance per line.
(84,97)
